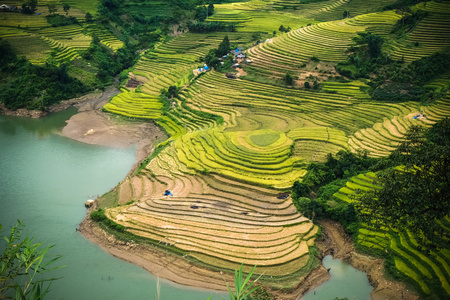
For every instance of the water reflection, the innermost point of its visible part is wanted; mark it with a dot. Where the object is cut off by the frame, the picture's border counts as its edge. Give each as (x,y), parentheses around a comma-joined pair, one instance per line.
(40,127)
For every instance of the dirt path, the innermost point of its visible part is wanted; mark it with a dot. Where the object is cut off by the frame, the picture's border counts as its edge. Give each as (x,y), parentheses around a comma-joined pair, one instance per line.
(337,243)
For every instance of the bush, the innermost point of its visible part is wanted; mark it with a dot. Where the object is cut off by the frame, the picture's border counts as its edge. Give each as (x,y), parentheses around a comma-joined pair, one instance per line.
(60,20)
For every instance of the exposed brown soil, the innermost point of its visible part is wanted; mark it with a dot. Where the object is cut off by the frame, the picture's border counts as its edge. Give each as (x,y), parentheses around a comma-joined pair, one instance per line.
(93,126)
(133,83)
(337,243)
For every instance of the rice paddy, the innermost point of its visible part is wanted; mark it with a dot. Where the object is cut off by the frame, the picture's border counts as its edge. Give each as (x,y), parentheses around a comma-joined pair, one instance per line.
(236,146)
(33,37)
(427,271)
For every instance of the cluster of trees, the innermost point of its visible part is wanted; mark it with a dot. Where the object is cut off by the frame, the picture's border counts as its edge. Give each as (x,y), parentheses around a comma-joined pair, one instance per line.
(204,27)
(61,20)
(181,14)
(203,12)
(32,86)
(393,80)
(413,197)
(108,62)
(402,82)
(211,58)
(312,195)
(284,29)
(29,6)
(417,196)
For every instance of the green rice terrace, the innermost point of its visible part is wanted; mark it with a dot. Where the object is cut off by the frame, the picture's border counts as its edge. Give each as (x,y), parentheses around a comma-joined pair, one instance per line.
(33,37)
(428,272)
(240,136)
(236,146)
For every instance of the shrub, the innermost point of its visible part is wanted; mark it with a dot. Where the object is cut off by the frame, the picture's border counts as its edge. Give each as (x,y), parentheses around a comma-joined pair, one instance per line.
(60,20)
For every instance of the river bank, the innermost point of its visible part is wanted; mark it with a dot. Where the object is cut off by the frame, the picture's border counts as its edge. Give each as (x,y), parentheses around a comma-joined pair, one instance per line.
(176,268)
(93,126)
(169,266)
(336,242)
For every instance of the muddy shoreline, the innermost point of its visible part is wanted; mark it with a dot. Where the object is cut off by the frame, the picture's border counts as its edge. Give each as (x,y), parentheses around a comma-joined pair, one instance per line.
(334,241)
(176,269)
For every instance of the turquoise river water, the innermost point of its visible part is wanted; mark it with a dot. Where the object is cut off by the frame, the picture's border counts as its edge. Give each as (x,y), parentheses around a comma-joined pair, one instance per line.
(44,181)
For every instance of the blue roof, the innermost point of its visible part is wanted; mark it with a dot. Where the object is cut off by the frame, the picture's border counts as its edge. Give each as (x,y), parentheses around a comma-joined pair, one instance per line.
(237,50)
(206,68)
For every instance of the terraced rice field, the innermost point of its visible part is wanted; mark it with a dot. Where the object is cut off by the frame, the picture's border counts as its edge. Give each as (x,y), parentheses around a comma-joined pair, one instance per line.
(237,146)
(32,36)
(334,9)
(105,37)
(326,41)
(33,47)
(17,20)
(430,34)
(430,272)
(66,40)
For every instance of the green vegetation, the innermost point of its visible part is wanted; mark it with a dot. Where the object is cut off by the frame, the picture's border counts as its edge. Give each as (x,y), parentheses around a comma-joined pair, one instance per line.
(99,216)
(297,111)
(415,196)
(242,288)
(32,86)
(398,212)
(23,264)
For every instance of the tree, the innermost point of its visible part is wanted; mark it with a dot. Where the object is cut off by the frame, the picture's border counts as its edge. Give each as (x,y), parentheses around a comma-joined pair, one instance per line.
(374,42)
(281,28)
(66,8)
(224,47)
(88,17)
(201,13)
(52,7)
(346,14)
(288,79)
(256,36)
(22,263)
(416,196)
(29,7)
(210,9)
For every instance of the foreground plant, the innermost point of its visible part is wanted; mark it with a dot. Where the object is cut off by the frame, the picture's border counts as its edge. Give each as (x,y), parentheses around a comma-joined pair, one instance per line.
(242,288)
(22,263)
